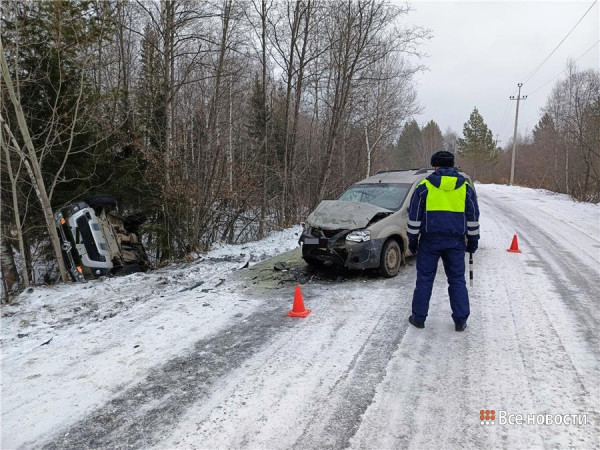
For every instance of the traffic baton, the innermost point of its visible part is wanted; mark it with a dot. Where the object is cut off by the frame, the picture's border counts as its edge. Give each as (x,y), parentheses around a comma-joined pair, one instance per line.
(471,269)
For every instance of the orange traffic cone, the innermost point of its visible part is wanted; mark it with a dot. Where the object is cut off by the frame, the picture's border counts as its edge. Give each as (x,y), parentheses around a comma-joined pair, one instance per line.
(298,310)
(514,247)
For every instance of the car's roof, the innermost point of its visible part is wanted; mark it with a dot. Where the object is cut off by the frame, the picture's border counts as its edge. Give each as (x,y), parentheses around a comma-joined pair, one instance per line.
(403,176)
(398,176)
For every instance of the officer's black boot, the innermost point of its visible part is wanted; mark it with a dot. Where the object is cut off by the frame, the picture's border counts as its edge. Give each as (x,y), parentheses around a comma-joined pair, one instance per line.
(412,320)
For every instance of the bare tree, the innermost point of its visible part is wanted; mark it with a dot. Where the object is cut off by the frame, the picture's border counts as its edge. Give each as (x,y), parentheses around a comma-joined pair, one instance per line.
(362,34)
(33,160)
(13,177)
(450,142)
(292,27)
(388,99)
(574,108)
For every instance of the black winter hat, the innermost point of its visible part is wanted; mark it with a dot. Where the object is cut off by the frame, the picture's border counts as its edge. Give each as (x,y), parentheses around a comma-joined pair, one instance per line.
(442,159)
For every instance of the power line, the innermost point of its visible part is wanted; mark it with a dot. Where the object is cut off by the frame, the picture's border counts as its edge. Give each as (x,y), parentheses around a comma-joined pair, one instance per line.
(503,122)
(532,73)
(564,70)
(504,117)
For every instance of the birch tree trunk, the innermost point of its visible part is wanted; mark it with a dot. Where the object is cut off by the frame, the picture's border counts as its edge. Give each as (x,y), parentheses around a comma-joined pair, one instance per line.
(265,143)
(16,211)
(37,171)
(368,153)
(10,276)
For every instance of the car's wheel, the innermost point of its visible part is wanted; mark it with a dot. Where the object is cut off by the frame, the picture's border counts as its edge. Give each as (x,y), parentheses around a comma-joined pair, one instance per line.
(311,260)
(108,202)
(314,262)
(391,258)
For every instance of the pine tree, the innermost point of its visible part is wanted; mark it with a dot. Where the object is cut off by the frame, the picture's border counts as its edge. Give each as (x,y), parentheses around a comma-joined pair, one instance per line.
(477,147)
(256,120)
(405,154)
(150,102)
(544,128)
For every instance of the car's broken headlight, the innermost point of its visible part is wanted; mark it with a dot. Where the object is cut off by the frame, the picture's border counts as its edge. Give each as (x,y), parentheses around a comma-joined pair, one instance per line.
(359,236)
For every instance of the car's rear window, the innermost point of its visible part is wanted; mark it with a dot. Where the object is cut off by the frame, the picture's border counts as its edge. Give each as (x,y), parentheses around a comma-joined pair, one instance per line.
(385,195)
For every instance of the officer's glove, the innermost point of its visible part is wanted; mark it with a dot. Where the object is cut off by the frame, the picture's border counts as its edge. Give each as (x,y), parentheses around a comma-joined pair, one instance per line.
(413,245)
(472,245)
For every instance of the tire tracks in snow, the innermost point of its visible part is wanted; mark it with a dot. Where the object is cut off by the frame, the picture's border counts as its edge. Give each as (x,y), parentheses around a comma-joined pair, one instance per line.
(354,390)
(557,337)
(137,416)
(546,249)
(311,386)
(142,415)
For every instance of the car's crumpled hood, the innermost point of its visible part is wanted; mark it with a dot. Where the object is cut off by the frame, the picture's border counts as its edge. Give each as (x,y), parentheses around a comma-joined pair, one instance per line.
(341,215)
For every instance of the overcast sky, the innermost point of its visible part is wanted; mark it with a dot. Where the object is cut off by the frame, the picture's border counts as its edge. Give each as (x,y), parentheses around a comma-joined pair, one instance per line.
(481,50)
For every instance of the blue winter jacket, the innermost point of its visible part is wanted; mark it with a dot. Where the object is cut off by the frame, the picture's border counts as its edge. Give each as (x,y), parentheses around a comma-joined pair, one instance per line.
(444,204)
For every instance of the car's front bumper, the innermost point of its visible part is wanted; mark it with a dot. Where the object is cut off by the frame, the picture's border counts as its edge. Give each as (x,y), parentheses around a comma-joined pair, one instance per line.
(352,255)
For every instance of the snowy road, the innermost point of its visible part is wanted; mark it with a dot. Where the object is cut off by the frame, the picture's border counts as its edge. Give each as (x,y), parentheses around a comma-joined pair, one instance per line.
(225,368)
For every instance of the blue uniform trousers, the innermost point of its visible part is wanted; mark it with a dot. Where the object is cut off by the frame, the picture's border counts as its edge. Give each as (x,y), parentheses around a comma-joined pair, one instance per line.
(452,252)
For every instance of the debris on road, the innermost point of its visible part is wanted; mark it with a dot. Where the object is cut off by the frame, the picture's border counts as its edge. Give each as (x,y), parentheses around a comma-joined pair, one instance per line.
(198,284)
(281,266)
(246,264)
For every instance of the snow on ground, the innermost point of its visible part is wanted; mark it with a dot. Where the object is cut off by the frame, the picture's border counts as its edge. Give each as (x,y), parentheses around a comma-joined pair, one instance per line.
(144,363)
(275,243)
(66,348)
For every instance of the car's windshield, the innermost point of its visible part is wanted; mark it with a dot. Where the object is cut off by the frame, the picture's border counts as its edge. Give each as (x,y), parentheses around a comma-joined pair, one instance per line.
(385,195)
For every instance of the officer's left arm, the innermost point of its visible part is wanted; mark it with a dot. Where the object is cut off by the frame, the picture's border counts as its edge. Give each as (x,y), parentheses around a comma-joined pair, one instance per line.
(472,214)
(415,211)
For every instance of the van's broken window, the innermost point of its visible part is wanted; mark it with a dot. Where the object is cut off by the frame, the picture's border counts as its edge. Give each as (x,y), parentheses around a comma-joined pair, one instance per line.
(385,195)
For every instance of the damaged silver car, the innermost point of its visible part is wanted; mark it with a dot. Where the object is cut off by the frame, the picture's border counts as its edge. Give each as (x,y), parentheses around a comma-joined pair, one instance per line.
(365,228)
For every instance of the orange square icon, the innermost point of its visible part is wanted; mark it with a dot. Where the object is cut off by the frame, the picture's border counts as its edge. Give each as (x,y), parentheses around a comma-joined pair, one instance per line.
(487,416)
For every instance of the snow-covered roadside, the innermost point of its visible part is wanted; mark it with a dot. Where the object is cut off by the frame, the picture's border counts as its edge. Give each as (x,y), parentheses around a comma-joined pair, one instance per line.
(68,348)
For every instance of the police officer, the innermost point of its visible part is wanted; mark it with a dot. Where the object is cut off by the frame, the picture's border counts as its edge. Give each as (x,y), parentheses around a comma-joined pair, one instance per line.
(443,210)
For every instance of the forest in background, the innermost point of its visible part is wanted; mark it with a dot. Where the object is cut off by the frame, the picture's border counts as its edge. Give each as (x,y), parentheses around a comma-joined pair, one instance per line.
(223,120)
(562,154)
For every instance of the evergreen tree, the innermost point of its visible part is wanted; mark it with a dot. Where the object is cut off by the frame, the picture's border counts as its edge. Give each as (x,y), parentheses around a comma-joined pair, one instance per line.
(257,117)
(50,45)
(149,95)
(407,149)
(545,128)
(477,147)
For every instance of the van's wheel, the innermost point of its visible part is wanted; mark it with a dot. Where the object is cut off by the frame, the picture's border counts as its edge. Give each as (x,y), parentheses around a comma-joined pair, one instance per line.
(391,258)
(311,260)
(314,262)
(108,202)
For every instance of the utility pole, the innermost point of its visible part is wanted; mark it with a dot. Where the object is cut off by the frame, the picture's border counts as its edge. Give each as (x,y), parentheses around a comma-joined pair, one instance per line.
(518,98)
